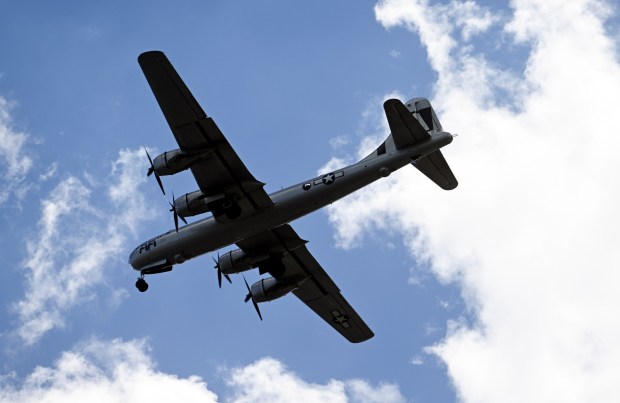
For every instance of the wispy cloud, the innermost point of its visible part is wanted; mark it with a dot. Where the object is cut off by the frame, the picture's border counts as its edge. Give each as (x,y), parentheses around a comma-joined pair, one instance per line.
(372,132)
(417,360)
(14,161)
(530,234)
(49,173)
(82,229)
(339,141)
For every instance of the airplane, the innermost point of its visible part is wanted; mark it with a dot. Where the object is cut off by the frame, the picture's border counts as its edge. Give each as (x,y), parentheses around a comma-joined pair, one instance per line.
(242,213)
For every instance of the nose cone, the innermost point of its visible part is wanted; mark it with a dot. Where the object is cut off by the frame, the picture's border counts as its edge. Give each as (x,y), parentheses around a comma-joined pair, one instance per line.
(132,259)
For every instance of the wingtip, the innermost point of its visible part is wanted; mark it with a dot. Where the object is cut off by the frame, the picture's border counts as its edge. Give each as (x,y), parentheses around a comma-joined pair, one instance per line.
(149,54)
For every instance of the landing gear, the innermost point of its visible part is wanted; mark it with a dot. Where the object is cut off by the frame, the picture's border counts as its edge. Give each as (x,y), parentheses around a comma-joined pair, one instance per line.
(141,284)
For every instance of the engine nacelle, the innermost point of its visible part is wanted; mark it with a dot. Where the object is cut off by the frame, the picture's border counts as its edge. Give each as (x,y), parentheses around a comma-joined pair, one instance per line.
(237,261)
(195,203)
(270,288)
(172,162)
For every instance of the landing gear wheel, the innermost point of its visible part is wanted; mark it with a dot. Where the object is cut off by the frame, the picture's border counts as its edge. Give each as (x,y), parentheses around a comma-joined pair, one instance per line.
(141,284)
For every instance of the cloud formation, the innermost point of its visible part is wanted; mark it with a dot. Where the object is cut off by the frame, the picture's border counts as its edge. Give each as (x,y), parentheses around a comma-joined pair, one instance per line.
(123,371)
(105,371)
(268,380)
(530,233)
(83,228)
(14,161)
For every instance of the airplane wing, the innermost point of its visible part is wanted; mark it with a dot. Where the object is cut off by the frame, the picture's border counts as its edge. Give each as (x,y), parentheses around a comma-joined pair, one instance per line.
(317,291)
(220,170)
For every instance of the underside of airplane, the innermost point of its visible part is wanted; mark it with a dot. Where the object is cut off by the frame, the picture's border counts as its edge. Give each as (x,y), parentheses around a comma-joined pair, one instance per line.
(239,211)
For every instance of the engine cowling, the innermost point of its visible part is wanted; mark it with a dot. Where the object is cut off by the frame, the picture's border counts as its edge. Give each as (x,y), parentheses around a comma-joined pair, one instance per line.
(236,261)
(171,162)
(270,288)
(191,204)
(194,203)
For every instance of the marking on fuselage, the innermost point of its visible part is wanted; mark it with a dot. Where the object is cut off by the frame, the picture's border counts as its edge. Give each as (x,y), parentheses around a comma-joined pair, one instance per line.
(342,319)
(147,245)
(329,178)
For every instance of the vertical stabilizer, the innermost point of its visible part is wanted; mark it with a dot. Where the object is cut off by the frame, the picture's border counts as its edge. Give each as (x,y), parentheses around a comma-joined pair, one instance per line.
(414,124)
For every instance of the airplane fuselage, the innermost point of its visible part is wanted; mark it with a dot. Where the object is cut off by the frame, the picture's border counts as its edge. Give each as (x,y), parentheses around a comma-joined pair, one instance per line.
(242,213)
(162,252)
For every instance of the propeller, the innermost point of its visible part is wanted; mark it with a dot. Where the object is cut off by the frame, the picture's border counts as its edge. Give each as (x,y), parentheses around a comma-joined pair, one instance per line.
(250,297)
(152,171)
(176,215)
(219,271)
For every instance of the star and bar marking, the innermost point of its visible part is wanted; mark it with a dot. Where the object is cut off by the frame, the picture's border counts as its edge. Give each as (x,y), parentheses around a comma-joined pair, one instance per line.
(342,319)
(329,178)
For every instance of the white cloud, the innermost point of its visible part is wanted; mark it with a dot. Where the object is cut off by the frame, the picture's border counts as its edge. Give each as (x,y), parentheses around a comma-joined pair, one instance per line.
(49,173)
(105,371)
(339,141)
(436,25)
(123,371)
(14,162)
(80,232)
(531,232)
(417,360)
(268,380)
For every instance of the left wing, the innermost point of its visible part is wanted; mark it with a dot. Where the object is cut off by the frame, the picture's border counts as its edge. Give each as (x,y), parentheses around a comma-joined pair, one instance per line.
(218,169)
(317,289)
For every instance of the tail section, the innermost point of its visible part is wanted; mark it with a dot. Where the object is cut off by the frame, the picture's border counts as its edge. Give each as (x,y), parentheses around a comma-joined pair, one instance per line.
(435,167)
(411,125)
(422,109)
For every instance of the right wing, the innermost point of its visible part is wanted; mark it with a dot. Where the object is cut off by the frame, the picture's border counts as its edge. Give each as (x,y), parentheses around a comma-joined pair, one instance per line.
(219,170)
(317,289)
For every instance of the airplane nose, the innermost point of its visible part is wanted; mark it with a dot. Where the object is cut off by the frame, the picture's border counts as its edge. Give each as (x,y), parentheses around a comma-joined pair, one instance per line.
(132,258)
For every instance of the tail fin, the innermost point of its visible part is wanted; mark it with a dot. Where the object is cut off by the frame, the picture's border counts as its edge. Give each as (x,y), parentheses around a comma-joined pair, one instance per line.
(411,125)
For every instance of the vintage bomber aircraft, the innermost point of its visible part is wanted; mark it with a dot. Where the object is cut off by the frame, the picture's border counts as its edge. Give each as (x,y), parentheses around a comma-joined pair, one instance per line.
(244,214)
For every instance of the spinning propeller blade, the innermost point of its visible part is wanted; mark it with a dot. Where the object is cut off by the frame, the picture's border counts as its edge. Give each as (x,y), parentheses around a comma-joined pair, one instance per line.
(249,296)
(152,171)
(176,215)
(219,271)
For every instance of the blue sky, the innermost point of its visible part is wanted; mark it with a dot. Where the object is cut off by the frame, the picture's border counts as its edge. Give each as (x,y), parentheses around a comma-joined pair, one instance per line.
(502,290)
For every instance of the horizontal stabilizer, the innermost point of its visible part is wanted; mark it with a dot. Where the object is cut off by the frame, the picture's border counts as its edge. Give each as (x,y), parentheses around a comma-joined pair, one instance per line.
(405,128)
(435,167)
